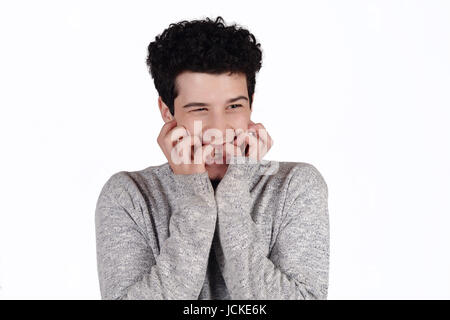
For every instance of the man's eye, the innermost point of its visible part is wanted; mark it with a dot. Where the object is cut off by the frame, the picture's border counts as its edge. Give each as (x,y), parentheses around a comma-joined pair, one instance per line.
(198,109)
(238,106)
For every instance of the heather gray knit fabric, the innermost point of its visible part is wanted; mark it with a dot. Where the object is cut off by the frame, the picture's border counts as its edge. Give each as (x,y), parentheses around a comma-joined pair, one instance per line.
(262,234)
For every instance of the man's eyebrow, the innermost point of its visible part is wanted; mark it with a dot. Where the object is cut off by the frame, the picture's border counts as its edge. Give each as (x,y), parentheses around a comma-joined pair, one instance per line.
(202,104)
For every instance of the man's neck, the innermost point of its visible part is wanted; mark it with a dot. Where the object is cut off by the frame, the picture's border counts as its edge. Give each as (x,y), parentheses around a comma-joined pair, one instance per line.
(215,182)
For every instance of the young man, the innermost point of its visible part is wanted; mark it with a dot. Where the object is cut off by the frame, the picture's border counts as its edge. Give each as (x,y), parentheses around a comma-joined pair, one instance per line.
(215,221)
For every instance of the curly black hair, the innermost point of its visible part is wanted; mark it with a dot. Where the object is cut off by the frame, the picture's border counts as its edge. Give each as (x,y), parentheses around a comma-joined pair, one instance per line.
(205,46)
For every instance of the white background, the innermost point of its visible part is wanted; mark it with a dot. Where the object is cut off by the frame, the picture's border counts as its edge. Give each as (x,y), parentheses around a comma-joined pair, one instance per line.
(359,89)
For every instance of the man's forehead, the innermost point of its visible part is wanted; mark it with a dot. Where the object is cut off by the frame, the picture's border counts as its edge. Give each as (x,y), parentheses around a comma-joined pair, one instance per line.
(217,88)
(198,78)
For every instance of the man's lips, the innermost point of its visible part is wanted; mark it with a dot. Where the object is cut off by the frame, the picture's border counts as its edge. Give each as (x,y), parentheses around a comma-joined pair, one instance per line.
(217,158)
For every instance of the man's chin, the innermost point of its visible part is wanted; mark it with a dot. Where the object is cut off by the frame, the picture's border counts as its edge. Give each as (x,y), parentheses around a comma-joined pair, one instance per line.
(216,165)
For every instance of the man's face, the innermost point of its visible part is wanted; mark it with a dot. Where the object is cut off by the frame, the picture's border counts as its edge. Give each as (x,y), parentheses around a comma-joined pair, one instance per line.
(207,98)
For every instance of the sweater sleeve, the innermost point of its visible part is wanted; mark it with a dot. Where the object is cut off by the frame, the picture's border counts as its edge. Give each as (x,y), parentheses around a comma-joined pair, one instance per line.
(127,267)
(297,267)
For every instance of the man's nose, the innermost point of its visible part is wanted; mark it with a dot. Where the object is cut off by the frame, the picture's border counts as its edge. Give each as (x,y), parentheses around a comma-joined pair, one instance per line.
(220,128)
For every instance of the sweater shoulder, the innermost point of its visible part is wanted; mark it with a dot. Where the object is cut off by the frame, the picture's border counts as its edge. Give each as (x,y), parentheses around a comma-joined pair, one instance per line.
(133,183)
(127,196)
(302,176)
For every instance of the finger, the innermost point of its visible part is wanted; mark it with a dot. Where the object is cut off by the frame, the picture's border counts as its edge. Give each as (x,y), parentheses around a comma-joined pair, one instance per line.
(183,150)
(262,149)
(240,142)
(237,133)
(256,127)
(240,137)
(163,133)
(252,126)
(200,153)
(195,143)
(232,150)
(253,146)
(262,134)
(167,127)
(264,142)
(177,133)
(190,140)
(188,143)
(245,140)
(243,136)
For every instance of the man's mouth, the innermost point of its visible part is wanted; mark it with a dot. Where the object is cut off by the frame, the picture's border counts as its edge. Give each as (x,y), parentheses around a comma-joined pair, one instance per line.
(219,156)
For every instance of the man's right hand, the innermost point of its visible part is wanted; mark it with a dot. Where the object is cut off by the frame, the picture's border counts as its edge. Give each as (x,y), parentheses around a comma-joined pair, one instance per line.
(180,149)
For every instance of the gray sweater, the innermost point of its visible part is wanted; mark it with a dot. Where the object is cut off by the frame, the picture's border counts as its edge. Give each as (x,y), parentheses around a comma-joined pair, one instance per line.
(262,234)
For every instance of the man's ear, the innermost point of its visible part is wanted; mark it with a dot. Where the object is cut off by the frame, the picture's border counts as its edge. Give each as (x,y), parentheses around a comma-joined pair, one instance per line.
(164,109)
